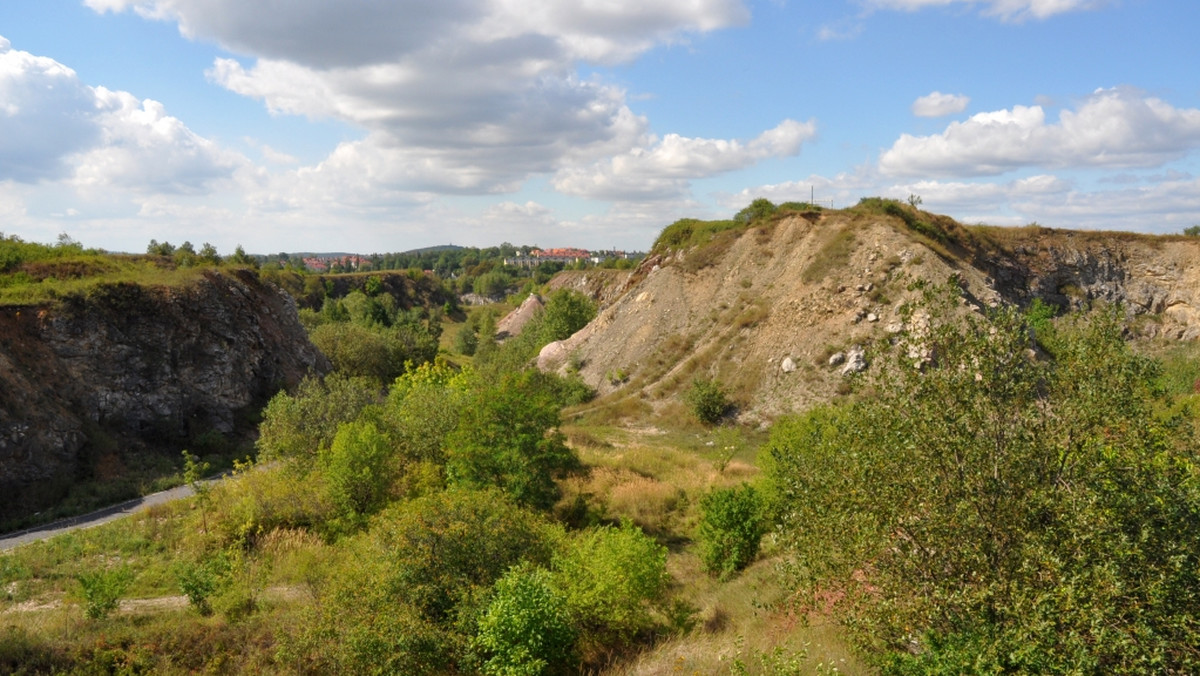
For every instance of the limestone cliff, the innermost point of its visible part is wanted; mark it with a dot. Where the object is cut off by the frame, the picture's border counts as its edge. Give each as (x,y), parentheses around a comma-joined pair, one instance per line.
(135,365)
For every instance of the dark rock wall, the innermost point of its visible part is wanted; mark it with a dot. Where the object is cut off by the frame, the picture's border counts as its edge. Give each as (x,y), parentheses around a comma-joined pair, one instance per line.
(142,365)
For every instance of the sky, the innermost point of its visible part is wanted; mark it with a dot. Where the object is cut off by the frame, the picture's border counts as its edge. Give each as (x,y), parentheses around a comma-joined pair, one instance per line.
(375,126)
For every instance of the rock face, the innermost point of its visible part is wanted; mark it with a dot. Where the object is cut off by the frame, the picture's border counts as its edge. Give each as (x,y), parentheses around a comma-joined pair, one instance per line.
(815,285)
(137,365)
(512,323)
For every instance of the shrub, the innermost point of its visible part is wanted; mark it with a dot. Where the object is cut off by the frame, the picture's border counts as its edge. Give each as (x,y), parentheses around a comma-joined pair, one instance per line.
(707,401)
(440,552)
(612,578)
(758,210)
(102,590)
(199,580)
(526,629)
(358,468)
(732,524)
(466,340)
(508,437)
(296,425)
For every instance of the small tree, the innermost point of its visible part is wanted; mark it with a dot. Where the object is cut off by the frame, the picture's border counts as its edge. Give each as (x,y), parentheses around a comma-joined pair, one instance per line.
(193,475)
(1192,231)
(102,590)
(526,629)
(732,524)
(707,400)
(508,437)
(358,469)
(760,209)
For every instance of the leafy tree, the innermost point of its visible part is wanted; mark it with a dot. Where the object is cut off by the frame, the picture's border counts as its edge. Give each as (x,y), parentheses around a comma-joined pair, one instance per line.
(492,284)
(193,475)
(423,408)
(299,424)
(613,578)
(732,523)
(208,254)
(1192,231)
(163,249)
(357,350)
(526,629)
(358,468)
(442,551)
(991,512)
(240,257)
(760,209)
(102,590)
(508,437)
(466,340)
(565,313)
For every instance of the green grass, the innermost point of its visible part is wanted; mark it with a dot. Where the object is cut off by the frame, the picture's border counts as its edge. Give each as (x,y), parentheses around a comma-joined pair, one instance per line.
(58,280)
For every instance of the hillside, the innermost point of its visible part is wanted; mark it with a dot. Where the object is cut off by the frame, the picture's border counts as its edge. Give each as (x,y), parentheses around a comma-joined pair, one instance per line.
(764,308)
(123,366)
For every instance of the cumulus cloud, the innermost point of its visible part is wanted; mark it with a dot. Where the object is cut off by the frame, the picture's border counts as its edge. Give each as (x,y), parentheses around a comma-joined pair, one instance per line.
(54,127)
(46,114)
(323,34)
(663,167)
(1005,10)
(1112,128)
(463,96)
(144,150)
(938,104)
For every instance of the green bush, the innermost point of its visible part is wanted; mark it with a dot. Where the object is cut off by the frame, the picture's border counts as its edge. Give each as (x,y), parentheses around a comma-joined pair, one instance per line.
(1017,515)
(758,210)
(613,578)
(102,590)
(296,425)
(732,523)
(466,340)
(508,437)
(200,580)
(359,468)
(526,629)
(707,401)
(442,551)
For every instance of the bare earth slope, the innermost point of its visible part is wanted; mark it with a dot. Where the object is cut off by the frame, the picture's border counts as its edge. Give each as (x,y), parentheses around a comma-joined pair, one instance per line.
(765,311)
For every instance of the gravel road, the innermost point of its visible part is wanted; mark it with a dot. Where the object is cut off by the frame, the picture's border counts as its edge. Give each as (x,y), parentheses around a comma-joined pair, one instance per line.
(102,516)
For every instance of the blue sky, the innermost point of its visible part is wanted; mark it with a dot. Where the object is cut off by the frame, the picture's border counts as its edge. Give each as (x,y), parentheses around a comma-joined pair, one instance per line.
(371,126)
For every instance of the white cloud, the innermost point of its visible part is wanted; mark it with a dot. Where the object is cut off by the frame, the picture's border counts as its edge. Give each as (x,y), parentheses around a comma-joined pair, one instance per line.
(1005,10)
(662,168)
(145,151)
(1112,128)
(457,96)
(46,114)
(938,104)
(54,127)
(324,34)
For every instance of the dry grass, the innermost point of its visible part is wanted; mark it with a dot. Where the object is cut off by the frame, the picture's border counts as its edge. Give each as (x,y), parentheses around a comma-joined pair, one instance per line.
(834,253)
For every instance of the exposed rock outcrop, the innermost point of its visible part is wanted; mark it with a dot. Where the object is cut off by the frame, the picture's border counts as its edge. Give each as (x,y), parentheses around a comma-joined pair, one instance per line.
(812,286)
(131,364)
(512,323)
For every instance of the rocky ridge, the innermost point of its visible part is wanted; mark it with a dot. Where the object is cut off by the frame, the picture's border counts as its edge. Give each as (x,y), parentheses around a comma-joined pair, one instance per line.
(770,312)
